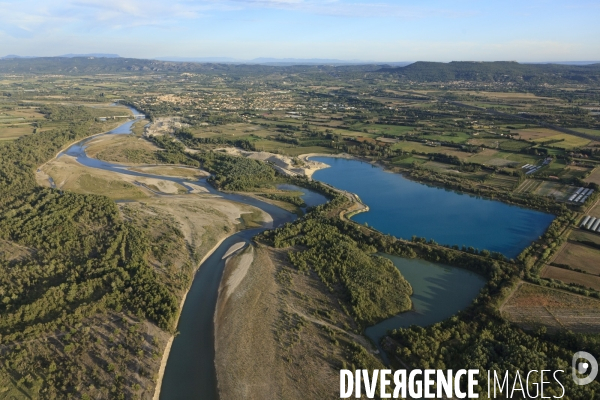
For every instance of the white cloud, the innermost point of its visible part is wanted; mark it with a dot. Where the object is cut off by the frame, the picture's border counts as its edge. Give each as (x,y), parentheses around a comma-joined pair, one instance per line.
(35,17)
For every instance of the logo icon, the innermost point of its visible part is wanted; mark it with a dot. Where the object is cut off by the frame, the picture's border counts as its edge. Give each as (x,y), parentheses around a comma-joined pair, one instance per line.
(581,367)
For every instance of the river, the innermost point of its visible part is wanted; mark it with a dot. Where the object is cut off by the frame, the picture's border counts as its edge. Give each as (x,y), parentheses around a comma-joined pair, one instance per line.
(439,291)
(190,367)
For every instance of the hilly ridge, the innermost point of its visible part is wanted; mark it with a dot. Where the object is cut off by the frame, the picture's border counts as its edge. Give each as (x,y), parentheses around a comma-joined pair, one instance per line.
(498,71)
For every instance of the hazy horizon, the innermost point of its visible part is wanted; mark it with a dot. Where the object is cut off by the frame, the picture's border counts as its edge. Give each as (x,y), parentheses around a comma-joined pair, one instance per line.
(272,60)
(383,31)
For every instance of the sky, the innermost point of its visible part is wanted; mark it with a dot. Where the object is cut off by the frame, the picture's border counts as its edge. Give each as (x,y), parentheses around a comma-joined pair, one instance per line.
(382,30)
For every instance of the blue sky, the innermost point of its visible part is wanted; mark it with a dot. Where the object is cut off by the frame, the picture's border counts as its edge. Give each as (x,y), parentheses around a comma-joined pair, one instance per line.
(384,30)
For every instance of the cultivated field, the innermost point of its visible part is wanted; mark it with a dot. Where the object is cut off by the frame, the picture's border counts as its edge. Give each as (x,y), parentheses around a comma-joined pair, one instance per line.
(588,131)
(535,133)
(567,276)
(557,190)
(582,235)
(574,172)
(580,257)
(529,186)
(594,177)
(502,182)
(531,306)
(595,212)
(566,141)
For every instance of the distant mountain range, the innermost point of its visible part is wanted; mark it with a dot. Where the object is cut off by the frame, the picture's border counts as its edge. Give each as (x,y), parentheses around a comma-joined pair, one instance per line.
(279,61)
(275,61)
(501,71)
(97,55)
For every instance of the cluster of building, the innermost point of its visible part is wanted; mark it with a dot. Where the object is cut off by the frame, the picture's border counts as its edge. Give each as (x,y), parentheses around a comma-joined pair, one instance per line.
(530,169)
(581,195)
(591,224)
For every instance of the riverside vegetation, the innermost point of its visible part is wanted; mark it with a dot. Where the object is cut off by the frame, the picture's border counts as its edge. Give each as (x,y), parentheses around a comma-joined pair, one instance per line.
(76,274)
(342,254)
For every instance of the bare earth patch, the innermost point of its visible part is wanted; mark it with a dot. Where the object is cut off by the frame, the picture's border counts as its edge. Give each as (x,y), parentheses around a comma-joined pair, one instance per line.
(279,334)
(284,164)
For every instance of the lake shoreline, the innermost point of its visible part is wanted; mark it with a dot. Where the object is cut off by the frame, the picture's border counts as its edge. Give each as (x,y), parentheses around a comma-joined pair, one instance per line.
(406,173)
(469,220)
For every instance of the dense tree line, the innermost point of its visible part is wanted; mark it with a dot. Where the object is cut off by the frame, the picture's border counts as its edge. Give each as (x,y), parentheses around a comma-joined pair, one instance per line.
(371,285)
(478,337)
(486,342)
(86,260)
(295,200)
(468,186)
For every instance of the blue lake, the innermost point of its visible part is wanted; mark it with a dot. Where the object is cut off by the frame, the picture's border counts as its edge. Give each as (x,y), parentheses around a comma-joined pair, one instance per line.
(439,292)
(403,208)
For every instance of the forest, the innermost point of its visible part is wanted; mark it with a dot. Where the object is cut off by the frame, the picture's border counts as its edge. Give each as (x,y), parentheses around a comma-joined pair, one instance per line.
(477,336)
(82,260)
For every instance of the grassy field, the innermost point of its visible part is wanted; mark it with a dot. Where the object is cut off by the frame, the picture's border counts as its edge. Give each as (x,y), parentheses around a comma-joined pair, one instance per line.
(273,146)
(232,130)
(125,149)
(18,122)
(581,257)
(422,148)
(582,235)
(520,158)
(588,131)
(574,172)
(455,137)
(502,182)
(535,133)
(567,276)
(531,306)
(380,129)
(513,145)
(568,141)
(559,191)
(407,161)
(555,168)
(492,157)
(12,132)
(528,186)
(594,176)
(440,167)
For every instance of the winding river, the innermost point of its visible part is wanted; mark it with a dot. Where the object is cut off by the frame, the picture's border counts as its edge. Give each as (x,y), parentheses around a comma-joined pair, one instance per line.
(190,366)
(397,206)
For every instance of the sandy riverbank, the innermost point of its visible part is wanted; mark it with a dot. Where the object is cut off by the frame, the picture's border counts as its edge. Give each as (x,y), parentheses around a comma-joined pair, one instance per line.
(267,222)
